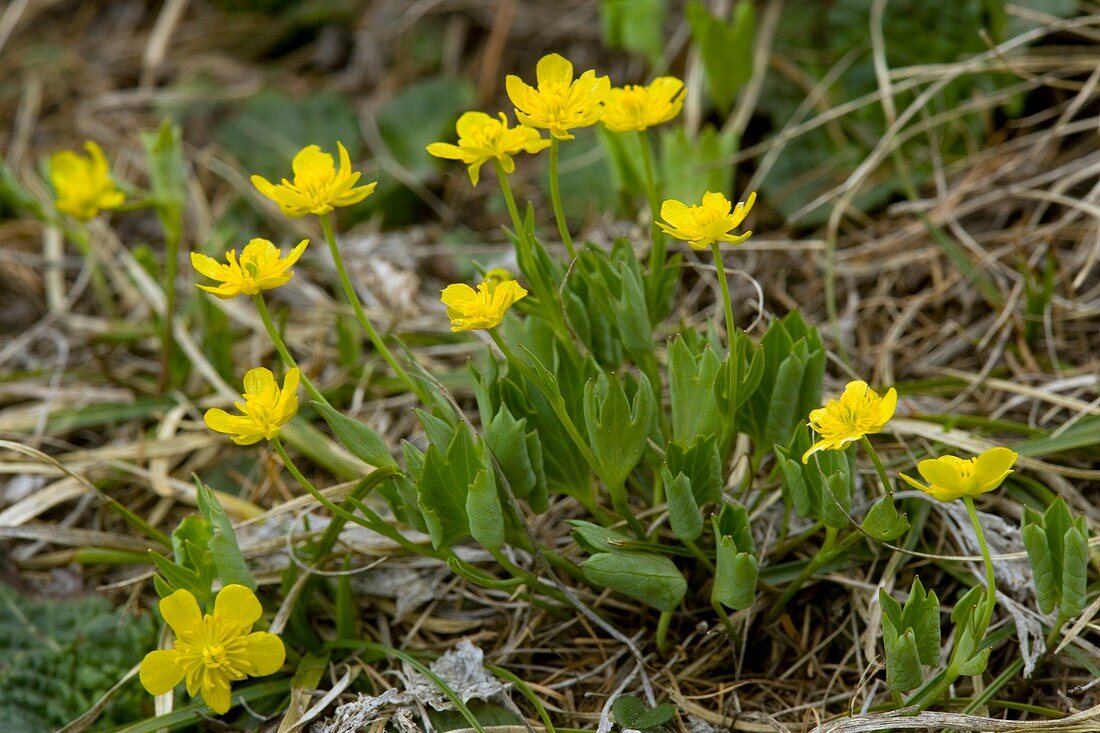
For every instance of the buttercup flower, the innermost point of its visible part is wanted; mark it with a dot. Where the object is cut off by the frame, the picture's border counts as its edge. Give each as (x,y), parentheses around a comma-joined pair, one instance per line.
(858,412)
(703,225)
(266,408)
(484,308)
(261,267)
(499,274)
(559,104)
(951,478)
(83,184)
(318,186)
(482,138)
(638,107)
(212,650)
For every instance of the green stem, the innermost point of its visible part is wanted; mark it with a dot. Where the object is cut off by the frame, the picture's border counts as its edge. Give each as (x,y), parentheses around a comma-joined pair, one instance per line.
(527,692)
(879,467)
(510,202)
(360,314)
(723,283)
(662,631)
(731,630)
(700,556)
(280,346)
(555,199)
(530,579)
(991,585)
(657,239)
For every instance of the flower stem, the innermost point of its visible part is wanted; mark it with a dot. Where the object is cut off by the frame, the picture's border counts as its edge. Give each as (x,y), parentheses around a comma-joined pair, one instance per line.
(657,239)
(510,202)
(723,283)
(555,199)
(883,476)
(990,579)
(360,314)
(662,631)
(280,347)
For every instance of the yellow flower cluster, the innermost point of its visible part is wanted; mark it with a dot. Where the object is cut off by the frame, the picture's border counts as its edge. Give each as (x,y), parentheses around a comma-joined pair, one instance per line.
(707,223)
(559,104)
(213,650)
(83,184)
(860,411)
(318,186)
(261,267)
(481,309)
(482,138)
(265,408)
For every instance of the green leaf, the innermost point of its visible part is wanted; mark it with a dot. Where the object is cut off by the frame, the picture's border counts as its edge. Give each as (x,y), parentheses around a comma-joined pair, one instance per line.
(734,575)
(733,521)
(650,578)
(683,513)
(167,172)
(363,442)
(836,501)
(1047,583)
(701,464)
(635,25)
(484,510)
(725,49)
(690,385)
(617,427)
(799,491)
(883,521)
(922,615)
(903,667)
(1074,572)
(632,713)
(594,539)
(692,166)
(222,545)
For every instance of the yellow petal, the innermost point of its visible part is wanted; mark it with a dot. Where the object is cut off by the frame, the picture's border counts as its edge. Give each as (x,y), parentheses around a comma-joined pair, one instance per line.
(458,295)
(221,421)
(181,611)
(312,162)
(888,405)
(216,693)
(993,466)
(716,202)
(553,69)
(345,159)
(208,266)
(445,150)
(259,381)
(818,446)
(161,671)
(470,123)
(943,475)
(237,606)
(914,483)
(264,652)
(675,212)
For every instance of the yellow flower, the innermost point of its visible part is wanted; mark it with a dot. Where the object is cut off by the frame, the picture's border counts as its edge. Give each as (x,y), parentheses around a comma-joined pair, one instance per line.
(703,225)
(266,408)
(83,184)
(858,412)
(499,275)
(484,308)
(318,186)
(637,107)
(560,104)
(261,267)
(951,478)
(212,650)
(482,138)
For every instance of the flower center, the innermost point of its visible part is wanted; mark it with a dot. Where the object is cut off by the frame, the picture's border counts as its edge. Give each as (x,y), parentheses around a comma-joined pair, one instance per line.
(215,657)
